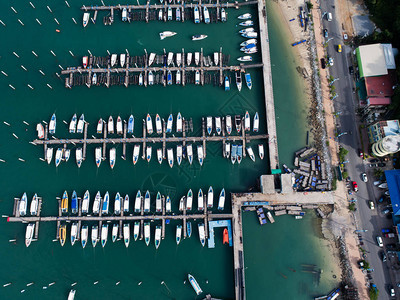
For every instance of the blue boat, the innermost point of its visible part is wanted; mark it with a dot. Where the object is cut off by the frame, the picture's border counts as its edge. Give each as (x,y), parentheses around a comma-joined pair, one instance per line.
(106,203)
(248,80)
(189,228)
(131,124)
(195,285)
(227,84)
(74,203)
(234,153)
(239,153)
(196,15)
(169,78)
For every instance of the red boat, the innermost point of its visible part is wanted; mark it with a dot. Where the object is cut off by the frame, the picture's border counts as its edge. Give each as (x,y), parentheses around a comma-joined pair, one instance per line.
(225,236)
(85,61)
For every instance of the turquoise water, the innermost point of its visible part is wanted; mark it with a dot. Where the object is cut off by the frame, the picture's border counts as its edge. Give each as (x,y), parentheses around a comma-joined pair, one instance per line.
(45,261)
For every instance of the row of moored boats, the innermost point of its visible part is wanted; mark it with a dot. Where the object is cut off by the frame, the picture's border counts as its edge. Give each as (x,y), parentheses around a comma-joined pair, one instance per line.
(249,46)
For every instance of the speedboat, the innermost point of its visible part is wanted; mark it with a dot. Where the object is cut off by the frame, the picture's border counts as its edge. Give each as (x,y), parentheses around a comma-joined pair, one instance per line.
(104,234)
(182,203)
(72,124)
(158,124)
(250,35)
(261,151)
(98,156)
(106,204)
(179,154)
(200,200)
(136,229)
(96,204)
(227,84)
(59,154)
(114,233)
(197,77)
(223,15)
(234,153)
(196,15)
(131,123)
(179,126)
(245,58)
(149,124)
(117,204)
(159,156)
(147,202)
(169,77)
(169,13)
(151,78)
(221,201)
(112,157)
(248,80)
(189,200)
(78,156)
(99,128)
(136,150)
(160,17)
(170,123)
(189,58)
(110,125)
(247,121)
(30,229)
(124,15)
(197,58)
(251,49)
(170,58)
(228,121)
(67,154)
(238,123)
(256,122)
(158,202)
(251,153)
(122,58)
(34,205)
(238,77)
(81,123)
(179,59)
(64,202)
(227,150)
(225,236)
(52,125)
(209,125)
(113,59)
(178,14)
(202,235)
(216,58)
(119,125)
(218,125)
(166,34)
(126,204)
(206,15)
(178,77)
(168,205)
(246,30)
(248,42)
(74,233)
(94,79)
(127,235)
(200,154)
(74,203)
(152,56)
(62,234)
(192,280)
(245,16)
(138,202)
(170,157)
(40,131)
(189,228)
(178,234)
(246,23)
(239,153)
(198,37)
(141,79)
(85,202)
(94,235)
(84,235)
(147,233)
(86,17)
(189,151)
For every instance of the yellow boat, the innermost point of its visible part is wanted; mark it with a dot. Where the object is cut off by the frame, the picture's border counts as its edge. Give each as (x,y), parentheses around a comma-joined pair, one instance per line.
(63,234)
(64,202)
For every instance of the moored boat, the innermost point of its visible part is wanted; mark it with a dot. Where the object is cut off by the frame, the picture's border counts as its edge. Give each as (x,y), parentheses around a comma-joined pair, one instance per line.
(67,154)
(117,204)
(170,58)
(221,201)
(168,208)
(178,234)
(198,37)
(202,235)
(159,156)
(246,23)
(234,153)
(74,203)
(261,151)
(247,30)
(160,17)
(136,229)
(79,156)
(179,125)
(94,235)
(74,232)
(228,123)
(131,123)
(99,128)
(122,58)
(170,157)
(197,58)
(148,153)
(62,234)
(149,124)
(196,15)
(169,77)
(98,156)
(189,152)
(166,34)
(178,77)
(94,79)
(239,153)
(248,80)
(85,202)
(245,16)
(58,158)
(179,154)
(110,125)
(200,200)
(210,197)
(147,202)
(238,77)
(136,150)
(223,15)
(86,17)
(218,125)
(216,58)
(40,131)
(158,202)
(152,56)
(227,83)
(248,42)
(96,204)
(225,236)
(141,79)
(113,59)
(127,235)
(126,204)
(151,78)
(170,123)
(119,125)
(227,150)
(158,124)
(200,154)
(182,203)
(34,205)
(52,125)
(179,59)
(209,125)
(64,202)
(189,58)
(30,229)
(250,34)
(147,233)
(247,121)
(138,202)
(256,122)
(84,235)
(194,283)
(114,232)
(104,234)
(245,58)
(189,200)
(189,228)
(206,15)
(112,157)
(106,204)
(81,123)
(157,236)
(238,123)
(169,13)
(72,124)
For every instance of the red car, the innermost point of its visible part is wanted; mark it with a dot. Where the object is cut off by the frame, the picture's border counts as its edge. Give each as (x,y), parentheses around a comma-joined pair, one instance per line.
(355,186)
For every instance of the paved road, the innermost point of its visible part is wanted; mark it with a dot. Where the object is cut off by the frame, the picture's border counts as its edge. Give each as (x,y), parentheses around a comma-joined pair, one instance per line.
(346,104)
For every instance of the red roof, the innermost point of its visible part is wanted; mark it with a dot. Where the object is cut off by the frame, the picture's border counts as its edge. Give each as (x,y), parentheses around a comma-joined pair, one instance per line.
(380,86)
(374,101)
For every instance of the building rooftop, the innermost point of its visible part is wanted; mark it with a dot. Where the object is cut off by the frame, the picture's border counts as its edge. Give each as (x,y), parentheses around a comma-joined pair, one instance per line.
(377,101)
(380,86)
(371,60)
(393,181)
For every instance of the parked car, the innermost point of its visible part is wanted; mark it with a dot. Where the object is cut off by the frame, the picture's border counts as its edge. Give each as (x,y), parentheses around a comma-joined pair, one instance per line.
(351,70)
(325,33)
(364,177)
(355,186)
(371,205)
(373,165)
(374,160)
(383,256)
(381,165)
(391,290)
(390,235)
(323,63)
(360,153)
(379,241)
(385,211)
(339,48)
(330,61)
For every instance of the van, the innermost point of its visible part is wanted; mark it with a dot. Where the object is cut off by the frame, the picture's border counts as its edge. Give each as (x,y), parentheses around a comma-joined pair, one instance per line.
(379,241)
(329,16)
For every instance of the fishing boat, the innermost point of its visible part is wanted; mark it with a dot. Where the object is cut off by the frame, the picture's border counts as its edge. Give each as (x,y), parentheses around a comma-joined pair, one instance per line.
(122,58)
(250,35)
(256,122)
(112,157)
(182,203)
(166,34)
(67,154)
(168,205)
(114,233)
(251,50)
(78,156)
(228,121)
(223,15)
(94,235)
(246,23)
(86,17)
(179,154)
(117,204)
(245,16)
(159,156)
(178,77)
(110,125)
(227,150)
(127,235)
(248,80)
(136,150)
(149,124)
(104,234)
(234,154)
(131,123)
(113,59)
(248,42)
(64,202)
(40,131)
(197,58)
(189,200)
(160,18)
(189,58)
(170,157)
(227,83)
(126,204)
(147,202)
(218,125)
(119,125)
(74,232)
(72,124)
(169,13)
(84,235)
(74,203)
(189,152)
(157,237)
(124,15)
(200,154)
(148,153)
(206,15)
(170,123)
(246,30)
(138,202)
(179,59)
(198,37)
(158,124)
(34,205)
(245,58)
(196,15)
(147,233)
(178,14)
(85,202)
(136,229)
(152,56)
(62,232)
(221,201)
(261,151)
(178,234)
(52,125)
(179,126)
(170,58)
(238,77)
(238,123)
(151,78)
(99,128)
(189,228)
(202,235)
(158,202)
(106,204)
(247,121)
(239,153)
(49,154)
(30,229)
(197,77)
(194,283)
(94,79)
(225,236)
(200,200)
(59,154)
(96,204)
(98,156)
(209,125)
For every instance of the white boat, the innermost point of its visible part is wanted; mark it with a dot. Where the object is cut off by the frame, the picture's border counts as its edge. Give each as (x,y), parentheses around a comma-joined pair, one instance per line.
(112,157)
(147,202)
(251,153)
(245,16)
(74,233)
(113,59)
(166,34)
(40,131)
(179,126)
(94,79)
(159,156)
(158,202)
(152,56)
(136,152)
(239,153)
(81,123)
(247,30)
(170,58)
(114,233)
(202,235)
(261,151)
(110,125)
(228,121)
(179,59)
(216,58)
(234,153)
(192,280)
(122,59)
(147,233)
(189,58)
(209,125)
(249,51)
(99,128)
(227,84)
(200,200)
(86,17)
(197,77)
(85,61)
(223,15)
(119,125)
(210,197)
(198,37)
(196,15)
(158,124)
(124,15)
(178,77)
(182,203)
(197,58)
(170,157)
(98,156)
(248,42)
(141,78)
(94,235)
(168,208)
(127,235)
(104,234)
(200,154)
(126,203)
(179,154)
(245,58)
(72,124)
(189,200)
(160,17)
(246,23)
(218,125)
(247,121)
(49,154)
(136,229)
(227,150)
(148,153)
(52,125)
(149,124)
(96,204)
(84,235)
(138,202)
(178,234)
(117,204)
(131,124)
(256,122)
(106,204)
(189,152)
(238,79)
(170,123)
(169,13)
(85,202)
(78,156)
(250,35)
(59,154)
(30,229)
(221,201)
(34,205)
(206,15)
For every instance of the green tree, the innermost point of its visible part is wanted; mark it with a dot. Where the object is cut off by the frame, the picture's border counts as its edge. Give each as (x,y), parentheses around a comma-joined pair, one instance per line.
(342,154)
(378,173)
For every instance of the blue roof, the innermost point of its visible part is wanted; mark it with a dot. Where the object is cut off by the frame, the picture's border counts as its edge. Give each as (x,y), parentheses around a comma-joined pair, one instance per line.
(393,181)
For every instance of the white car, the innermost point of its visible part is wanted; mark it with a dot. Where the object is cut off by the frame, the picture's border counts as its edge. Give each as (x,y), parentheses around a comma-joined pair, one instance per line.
(364,177)
(371,205)
(379,241)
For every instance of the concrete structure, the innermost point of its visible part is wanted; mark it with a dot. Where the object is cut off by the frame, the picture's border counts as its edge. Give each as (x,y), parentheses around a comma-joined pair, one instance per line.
(375,59)
(387,145)
(267,183)
(381,129)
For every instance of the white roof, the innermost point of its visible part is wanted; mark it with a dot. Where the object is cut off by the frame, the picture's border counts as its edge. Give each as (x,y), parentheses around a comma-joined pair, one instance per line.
(389,57)
(373,60)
